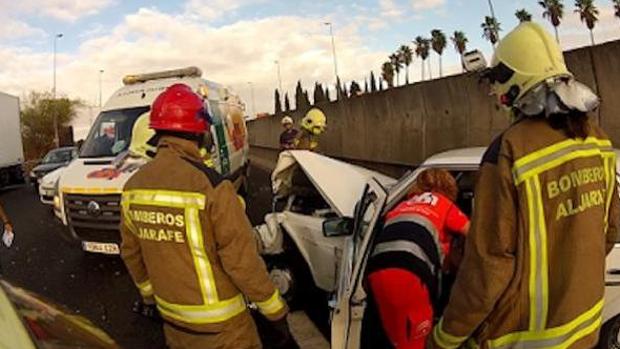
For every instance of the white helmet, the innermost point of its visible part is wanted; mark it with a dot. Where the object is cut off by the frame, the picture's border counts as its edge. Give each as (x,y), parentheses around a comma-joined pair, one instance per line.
(287,120)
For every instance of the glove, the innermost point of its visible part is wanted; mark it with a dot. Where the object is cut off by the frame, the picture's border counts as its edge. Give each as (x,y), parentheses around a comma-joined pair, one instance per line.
(147,310)
(283,337)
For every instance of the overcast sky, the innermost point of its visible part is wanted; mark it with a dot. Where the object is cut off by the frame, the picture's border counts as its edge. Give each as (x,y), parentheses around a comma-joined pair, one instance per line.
(237,41)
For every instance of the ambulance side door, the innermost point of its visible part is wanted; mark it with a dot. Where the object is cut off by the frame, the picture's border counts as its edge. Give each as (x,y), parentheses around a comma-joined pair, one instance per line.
(351,298)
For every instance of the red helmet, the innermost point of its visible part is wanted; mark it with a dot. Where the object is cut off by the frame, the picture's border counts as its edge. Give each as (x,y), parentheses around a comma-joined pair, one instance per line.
(179,109)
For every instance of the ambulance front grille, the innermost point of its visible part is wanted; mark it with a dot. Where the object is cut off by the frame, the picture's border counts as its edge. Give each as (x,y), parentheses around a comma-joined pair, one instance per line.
(93,212)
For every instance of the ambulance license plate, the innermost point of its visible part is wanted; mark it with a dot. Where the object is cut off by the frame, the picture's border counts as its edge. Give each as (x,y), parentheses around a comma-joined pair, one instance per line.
(98,247)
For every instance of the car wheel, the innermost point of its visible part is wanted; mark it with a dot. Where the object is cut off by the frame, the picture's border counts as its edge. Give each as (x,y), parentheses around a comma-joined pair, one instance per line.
(292,278)
(610,333)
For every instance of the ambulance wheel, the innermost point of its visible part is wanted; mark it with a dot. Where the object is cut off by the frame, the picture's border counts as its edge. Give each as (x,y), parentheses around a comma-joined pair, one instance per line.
(610,334)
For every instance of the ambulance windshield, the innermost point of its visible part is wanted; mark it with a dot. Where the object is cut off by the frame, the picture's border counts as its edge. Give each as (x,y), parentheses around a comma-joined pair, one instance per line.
(111,133)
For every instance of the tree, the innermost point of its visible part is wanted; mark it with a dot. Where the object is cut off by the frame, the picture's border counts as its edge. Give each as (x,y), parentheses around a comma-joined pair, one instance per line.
(460,43)
(287,103)
(381,82)
(589,15)
(387,74)
(490,30)
(406,57)
(278,107)
(37,121)
(355,89)
(339,91)
(616,7)
(373,82)
(396,65)
(307,103)
(554,10)
(300,99)
(422,50)
(523,15)
(327,98)
(319,94)
(366,86)
(439,42)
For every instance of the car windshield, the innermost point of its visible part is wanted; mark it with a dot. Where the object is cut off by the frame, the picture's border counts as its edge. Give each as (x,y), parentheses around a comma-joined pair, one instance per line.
(30,319)
(58,156)
(111,133)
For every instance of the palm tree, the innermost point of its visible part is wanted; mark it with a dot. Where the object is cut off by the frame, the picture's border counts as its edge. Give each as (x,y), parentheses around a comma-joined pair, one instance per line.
(554,10)
(460,43)
(616,7)
(588,13)
(422,50)
(439,42)
(387,73)
(491,28)
(523,16)
(406,57)
(396,65)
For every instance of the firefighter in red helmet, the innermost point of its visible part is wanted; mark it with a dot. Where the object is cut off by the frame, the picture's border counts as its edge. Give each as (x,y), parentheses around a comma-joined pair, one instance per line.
(187,242)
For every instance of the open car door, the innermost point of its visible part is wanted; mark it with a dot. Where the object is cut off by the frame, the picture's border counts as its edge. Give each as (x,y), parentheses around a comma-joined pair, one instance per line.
(350,300)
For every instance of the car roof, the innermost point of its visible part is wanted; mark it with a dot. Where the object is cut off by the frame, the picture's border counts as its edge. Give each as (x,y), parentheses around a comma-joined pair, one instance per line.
(461,156)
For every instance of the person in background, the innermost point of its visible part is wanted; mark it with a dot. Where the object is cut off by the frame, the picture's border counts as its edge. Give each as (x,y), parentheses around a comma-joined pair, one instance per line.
(547,211)
(287,137)
(405,266)
(312,127)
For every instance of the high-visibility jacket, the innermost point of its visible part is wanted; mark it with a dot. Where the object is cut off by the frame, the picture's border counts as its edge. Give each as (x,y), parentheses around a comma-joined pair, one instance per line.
(188,243)
(306,141)
(533,275)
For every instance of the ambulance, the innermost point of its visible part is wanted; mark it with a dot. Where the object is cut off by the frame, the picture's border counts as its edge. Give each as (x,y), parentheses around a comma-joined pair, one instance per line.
(89,189)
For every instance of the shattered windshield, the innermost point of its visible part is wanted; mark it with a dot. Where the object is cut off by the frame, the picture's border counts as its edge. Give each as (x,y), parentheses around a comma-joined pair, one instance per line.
(111,132)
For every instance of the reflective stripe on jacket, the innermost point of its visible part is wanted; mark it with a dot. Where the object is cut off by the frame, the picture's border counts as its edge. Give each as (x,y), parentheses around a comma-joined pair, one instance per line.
(533,275)
(188,243)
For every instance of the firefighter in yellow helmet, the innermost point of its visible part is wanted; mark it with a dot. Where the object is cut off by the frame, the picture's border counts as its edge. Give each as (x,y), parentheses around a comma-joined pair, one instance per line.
(140,150)
(187,242)
(547,211)
(312,127)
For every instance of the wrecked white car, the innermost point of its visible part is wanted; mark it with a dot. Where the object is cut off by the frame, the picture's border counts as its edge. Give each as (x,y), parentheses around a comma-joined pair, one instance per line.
(333,239)
(310,191)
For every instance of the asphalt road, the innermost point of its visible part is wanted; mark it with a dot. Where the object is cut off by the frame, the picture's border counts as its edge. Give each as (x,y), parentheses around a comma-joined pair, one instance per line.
(95,286)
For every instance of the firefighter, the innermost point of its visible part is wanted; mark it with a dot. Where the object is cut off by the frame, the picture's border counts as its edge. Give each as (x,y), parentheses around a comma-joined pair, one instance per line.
(313,125)
(288,136)
(187,242)
(406,263)
(533,274)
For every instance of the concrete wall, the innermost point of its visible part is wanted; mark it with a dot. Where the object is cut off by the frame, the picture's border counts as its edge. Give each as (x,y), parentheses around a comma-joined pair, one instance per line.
(403,126)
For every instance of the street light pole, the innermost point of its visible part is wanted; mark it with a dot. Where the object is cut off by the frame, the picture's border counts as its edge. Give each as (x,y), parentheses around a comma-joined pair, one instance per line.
(55,117)
(331,33)
(100,74)
(253,100)
(492,9)
(279,76)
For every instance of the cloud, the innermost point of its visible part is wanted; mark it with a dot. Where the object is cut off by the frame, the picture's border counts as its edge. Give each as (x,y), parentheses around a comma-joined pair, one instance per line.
(64,10)
(212,9)
(234,54)
(426,4)
(389,9)
(12,29)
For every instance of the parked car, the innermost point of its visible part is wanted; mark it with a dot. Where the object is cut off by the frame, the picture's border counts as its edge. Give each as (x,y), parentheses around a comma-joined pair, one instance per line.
(48,186)
(30,322)
(56,158)
(335,258)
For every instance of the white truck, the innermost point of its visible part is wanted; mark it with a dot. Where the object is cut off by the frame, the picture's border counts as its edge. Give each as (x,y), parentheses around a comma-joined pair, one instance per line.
(89,189)
(11,151)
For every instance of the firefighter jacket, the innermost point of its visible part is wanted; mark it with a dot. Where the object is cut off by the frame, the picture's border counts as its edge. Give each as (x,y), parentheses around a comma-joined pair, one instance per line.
(546,213)
(306,141)
(187,243)
(4,219)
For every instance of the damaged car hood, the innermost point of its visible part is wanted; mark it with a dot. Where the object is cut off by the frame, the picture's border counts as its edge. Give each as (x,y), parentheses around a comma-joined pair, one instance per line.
(341,184)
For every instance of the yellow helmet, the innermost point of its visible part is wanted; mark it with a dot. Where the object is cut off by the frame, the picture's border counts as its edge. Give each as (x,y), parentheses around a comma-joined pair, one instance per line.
(523,59)
(314,122)
(140,135)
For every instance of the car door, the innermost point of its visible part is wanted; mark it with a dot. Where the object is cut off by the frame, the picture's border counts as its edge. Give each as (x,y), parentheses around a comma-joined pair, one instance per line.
(350,300)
